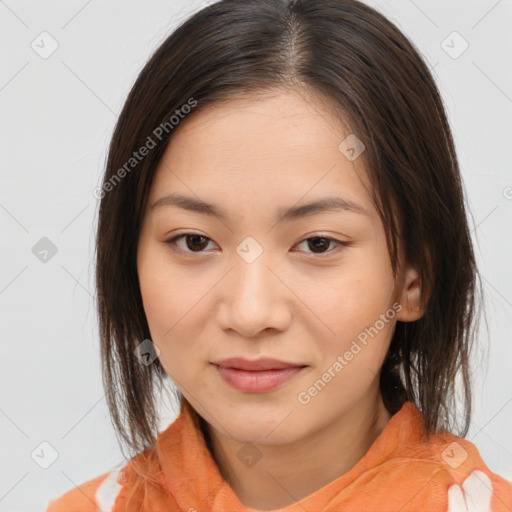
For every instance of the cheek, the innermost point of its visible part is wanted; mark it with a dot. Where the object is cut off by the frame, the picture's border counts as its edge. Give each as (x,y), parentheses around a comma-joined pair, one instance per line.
(164,309)
(175,306)
(352,304)
(360,290)
(163,295)
(373,282)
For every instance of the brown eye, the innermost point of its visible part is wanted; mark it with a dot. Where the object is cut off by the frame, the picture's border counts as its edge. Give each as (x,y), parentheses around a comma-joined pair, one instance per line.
(193,242)
(320,244)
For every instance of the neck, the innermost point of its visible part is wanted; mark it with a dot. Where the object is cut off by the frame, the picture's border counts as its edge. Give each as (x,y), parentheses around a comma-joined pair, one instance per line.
(287,473)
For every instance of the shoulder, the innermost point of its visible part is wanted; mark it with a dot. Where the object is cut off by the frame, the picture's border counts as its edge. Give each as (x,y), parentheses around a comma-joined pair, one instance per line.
(454,467)
(97,494)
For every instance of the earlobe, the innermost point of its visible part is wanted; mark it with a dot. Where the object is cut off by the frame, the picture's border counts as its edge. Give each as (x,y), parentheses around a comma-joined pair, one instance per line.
(410,298)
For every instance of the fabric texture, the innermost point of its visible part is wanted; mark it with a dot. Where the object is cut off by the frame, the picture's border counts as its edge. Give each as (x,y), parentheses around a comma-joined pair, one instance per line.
(401,472)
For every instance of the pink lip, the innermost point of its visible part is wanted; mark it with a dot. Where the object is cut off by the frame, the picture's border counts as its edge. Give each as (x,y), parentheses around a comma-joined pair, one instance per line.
(240,363)
(257,380)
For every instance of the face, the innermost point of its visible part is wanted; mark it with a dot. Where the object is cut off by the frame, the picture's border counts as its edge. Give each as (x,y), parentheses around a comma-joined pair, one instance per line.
(316,289)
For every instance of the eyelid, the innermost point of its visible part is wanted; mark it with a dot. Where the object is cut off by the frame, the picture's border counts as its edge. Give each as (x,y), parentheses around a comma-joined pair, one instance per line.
(171,242)
(340,244)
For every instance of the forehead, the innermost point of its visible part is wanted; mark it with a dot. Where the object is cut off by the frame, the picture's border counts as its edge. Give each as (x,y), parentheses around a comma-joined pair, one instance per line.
(280,146)
(264,124)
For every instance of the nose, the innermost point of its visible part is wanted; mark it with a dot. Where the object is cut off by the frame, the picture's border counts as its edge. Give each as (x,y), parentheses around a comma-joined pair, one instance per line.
(253,298)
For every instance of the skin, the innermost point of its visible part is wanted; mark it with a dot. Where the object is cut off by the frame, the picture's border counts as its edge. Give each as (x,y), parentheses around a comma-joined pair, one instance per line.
(204,302)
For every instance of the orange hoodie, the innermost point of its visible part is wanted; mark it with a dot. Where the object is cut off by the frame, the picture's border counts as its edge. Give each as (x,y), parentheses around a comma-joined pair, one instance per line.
(400,472)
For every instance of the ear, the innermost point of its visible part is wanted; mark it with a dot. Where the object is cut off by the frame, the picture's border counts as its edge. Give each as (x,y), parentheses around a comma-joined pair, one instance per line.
(410,297)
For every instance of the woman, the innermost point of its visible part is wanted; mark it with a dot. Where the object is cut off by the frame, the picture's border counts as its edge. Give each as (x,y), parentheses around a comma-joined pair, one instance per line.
(282,234)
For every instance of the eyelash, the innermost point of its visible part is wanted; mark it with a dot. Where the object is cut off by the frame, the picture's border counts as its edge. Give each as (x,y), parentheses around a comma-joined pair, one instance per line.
(172,243)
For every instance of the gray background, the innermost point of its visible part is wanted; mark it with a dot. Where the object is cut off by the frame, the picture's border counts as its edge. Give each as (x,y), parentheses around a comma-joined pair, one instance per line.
(57,117)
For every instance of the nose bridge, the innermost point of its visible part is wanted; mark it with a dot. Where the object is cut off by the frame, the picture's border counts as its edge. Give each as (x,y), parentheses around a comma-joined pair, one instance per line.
(251,273)
(252,296)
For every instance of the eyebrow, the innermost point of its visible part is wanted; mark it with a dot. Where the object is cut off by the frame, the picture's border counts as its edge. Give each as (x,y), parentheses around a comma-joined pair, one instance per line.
(325,204)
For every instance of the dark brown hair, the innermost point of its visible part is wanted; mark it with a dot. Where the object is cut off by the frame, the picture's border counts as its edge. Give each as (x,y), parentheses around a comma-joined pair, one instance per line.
(357,60)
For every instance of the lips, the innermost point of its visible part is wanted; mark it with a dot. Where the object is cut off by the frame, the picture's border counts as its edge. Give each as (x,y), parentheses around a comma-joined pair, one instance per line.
(257,376)
(240,363)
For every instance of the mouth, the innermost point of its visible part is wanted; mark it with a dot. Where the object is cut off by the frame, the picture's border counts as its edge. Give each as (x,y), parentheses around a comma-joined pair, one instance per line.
(257,376)
(240,363)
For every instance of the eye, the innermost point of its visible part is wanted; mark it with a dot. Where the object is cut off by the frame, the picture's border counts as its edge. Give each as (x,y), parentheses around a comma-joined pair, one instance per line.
(197,243)
(193,242)
(319,243)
